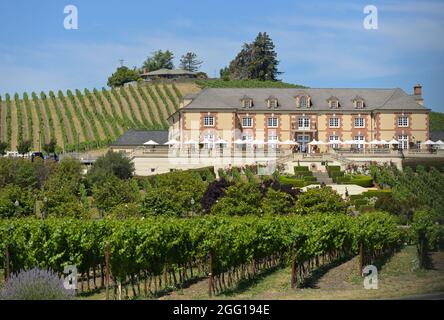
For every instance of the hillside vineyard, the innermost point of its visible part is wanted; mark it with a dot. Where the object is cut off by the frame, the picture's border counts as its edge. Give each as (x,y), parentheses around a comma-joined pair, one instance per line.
(85,120)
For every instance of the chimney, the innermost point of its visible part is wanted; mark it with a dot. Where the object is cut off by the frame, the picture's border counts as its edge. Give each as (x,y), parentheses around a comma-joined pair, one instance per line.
(417,94)
(417,90)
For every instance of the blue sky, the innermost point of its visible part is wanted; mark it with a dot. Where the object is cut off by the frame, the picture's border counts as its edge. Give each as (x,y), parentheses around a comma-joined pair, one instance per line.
(319,43)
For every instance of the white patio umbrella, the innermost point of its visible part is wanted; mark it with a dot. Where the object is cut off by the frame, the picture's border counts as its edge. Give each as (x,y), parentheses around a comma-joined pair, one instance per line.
(350,142)
(393,141)
(191,141)
(150,143)
(289,142)
(258,142)
(331,142)
(439,142)
(429,143)
(273,142)
(221,141)
(383,142)
(375,142)
(313,142)
(206,141)
(239,141)
(171,142)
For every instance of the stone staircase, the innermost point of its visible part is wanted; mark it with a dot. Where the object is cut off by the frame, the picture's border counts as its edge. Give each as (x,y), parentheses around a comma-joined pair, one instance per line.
(322,177)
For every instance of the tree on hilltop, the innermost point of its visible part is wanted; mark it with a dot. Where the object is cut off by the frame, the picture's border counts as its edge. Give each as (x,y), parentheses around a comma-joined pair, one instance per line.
(190,62)
(123,75)
(256,60)
(159,60)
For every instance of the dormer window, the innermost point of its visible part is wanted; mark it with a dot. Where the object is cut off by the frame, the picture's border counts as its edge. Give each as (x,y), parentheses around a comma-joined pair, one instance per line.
(247,102)
(358,102)
(303,101)
(272,102)
(333,102)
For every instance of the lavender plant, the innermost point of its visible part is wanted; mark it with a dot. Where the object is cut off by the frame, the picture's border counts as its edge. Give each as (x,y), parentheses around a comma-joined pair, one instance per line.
(35,284)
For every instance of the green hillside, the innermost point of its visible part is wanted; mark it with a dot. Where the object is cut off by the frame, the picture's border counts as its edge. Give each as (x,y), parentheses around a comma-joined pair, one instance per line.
(86,119)
(436,121)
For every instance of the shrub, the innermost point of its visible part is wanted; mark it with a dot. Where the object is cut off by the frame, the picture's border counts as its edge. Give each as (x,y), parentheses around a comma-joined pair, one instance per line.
(323,200)
(363,181)
(298,183)
(35,284)
(309,179)
(276,202)
(240,199)
(299,169)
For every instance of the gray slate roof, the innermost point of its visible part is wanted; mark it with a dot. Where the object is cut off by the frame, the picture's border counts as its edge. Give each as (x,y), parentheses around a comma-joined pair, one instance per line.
(138,137)
(174,72)
(382,99)
(437,135)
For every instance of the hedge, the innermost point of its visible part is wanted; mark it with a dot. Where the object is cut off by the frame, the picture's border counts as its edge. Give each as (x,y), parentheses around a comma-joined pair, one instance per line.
(310,179)
(298,183)
(371,194)
(299,169)
(363,181)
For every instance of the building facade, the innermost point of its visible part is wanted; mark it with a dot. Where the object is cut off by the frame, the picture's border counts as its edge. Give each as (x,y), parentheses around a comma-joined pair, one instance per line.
(273,114)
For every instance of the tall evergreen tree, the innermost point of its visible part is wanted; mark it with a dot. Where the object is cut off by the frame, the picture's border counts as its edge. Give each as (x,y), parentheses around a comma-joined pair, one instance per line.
(190,62)
(257,60)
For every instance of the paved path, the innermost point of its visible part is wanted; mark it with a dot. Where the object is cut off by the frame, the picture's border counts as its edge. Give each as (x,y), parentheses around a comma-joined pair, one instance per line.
(340,188)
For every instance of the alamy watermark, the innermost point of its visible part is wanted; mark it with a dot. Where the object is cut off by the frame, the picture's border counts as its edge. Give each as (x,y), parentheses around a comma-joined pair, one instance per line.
(371,277)
(71,21)
(371,19)
(70,279)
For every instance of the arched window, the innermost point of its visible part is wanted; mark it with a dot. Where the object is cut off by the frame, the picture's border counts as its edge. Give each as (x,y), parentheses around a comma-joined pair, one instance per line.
(303,101)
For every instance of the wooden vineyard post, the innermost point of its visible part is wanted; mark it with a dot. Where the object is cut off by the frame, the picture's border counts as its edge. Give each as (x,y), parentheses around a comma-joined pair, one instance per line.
(165,273)
(210,274)
(7,264)
(107,269)
(293,267)
(361,257)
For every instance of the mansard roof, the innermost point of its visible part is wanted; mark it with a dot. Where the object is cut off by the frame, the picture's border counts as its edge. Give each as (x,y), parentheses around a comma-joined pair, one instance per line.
(375,99)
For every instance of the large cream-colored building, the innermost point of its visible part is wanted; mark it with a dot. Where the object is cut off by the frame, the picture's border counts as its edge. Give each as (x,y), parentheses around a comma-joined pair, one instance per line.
(261,117)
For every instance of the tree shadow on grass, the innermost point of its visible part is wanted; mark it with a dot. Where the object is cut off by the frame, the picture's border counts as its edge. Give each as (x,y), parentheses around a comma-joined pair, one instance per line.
(312,280)
(245,284)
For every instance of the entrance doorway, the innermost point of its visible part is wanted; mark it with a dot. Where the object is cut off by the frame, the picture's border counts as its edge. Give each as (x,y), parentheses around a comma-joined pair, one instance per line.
(303,140)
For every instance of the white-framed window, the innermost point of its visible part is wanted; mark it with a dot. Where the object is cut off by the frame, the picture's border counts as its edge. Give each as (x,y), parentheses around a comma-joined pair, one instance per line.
(247,122)
(359,122)
(248,138)
(359,139)
(272,103)
(303,140)
(303,101)
(272,122)
(334,104)
(334,138)
(359,104)
(333,122)
(403,121)
(403,140)
(209,137)
(208,121)
(418,145)
(303,123)
(272,140)
(248,103)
